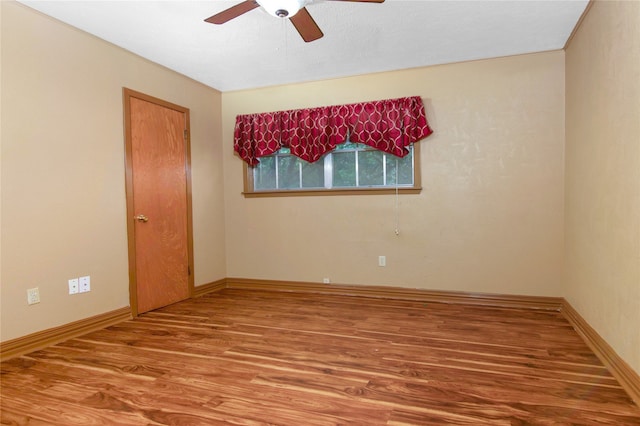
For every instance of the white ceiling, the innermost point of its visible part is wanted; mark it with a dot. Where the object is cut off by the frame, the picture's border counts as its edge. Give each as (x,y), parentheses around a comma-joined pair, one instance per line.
(257,50)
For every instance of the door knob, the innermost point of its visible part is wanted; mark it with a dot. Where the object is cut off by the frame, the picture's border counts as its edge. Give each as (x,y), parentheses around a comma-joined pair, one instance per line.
(141,218)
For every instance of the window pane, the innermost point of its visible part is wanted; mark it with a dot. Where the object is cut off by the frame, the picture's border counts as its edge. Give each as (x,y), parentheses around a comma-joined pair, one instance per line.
(374,169)
(405,169)
(264,174)
(313,174)
(344,169)
(370,168)
(288,172)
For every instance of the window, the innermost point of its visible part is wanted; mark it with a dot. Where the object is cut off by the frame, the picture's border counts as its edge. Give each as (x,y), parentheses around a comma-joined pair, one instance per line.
(294,152)
(351,168)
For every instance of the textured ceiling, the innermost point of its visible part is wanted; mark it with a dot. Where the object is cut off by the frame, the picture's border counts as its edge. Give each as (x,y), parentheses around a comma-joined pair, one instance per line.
(257,50)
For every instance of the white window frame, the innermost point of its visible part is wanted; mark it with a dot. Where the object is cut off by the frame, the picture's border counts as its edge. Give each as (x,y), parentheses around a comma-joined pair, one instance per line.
(328,188)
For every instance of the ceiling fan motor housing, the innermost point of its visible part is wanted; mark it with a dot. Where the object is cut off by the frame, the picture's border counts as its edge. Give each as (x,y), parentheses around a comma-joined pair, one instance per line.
(282,8)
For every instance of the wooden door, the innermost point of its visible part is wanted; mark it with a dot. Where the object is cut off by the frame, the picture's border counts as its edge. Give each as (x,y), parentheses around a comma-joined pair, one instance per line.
(158,202)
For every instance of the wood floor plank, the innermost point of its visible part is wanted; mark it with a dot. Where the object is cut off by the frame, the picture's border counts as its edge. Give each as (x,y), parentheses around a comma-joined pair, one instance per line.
(249,357)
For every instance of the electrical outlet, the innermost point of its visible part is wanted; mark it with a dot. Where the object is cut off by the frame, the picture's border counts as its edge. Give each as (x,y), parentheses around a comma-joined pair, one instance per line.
(382,260)
(33,296)
(73,286)
(326,280)
(84,284)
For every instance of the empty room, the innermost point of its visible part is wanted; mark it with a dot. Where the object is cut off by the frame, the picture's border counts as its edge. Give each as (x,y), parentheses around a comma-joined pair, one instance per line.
(320,212)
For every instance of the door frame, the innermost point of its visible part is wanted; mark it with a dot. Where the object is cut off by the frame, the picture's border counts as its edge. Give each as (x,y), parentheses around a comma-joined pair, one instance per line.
(131,243)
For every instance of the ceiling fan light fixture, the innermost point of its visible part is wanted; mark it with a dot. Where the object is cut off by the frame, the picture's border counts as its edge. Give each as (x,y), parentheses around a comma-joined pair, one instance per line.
(282,8)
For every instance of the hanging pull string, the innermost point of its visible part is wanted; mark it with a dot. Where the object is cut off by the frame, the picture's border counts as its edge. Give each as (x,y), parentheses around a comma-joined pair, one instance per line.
(283,27)
(397,212)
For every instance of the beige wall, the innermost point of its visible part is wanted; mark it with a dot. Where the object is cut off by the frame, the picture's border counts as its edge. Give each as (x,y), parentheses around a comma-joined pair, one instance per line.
(63,198)
(0,173)
(490,217)
(603,174)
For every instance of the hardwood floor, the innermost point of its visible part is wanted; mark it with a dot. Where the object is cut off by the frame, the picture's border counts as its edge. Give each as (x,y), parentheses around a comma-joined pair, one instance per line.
(256,357)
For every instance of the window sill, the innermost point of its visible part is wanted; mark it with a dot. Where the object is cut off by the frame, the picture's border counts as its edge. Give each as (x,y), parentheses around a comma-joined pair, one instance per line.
(323,192)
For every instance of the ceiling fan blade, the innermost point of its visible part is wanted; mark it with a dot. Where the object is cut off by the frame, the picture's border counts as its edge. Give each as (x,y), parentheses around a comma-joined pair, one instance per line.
(306,26)
(232,12)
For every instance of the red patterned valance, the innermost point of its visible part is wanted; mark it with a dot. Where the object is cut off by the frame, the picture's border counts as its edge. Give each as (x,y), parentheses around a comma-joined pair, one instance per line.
(388,125)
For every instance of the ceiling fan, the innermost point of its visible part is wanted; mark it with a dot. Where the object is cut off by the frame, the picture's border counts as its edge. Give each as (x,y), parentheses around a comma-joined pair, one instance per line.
(294,10)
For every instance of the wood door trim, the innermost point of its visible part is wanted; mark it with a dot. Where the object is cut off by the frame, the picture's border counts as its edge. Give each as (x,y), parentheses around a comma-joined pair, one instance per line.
(127,95)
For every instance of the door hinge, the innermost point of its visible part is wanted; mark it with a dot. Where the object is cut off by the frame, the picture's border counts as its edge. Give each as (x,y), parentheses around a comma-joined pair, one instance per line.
(185,134)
